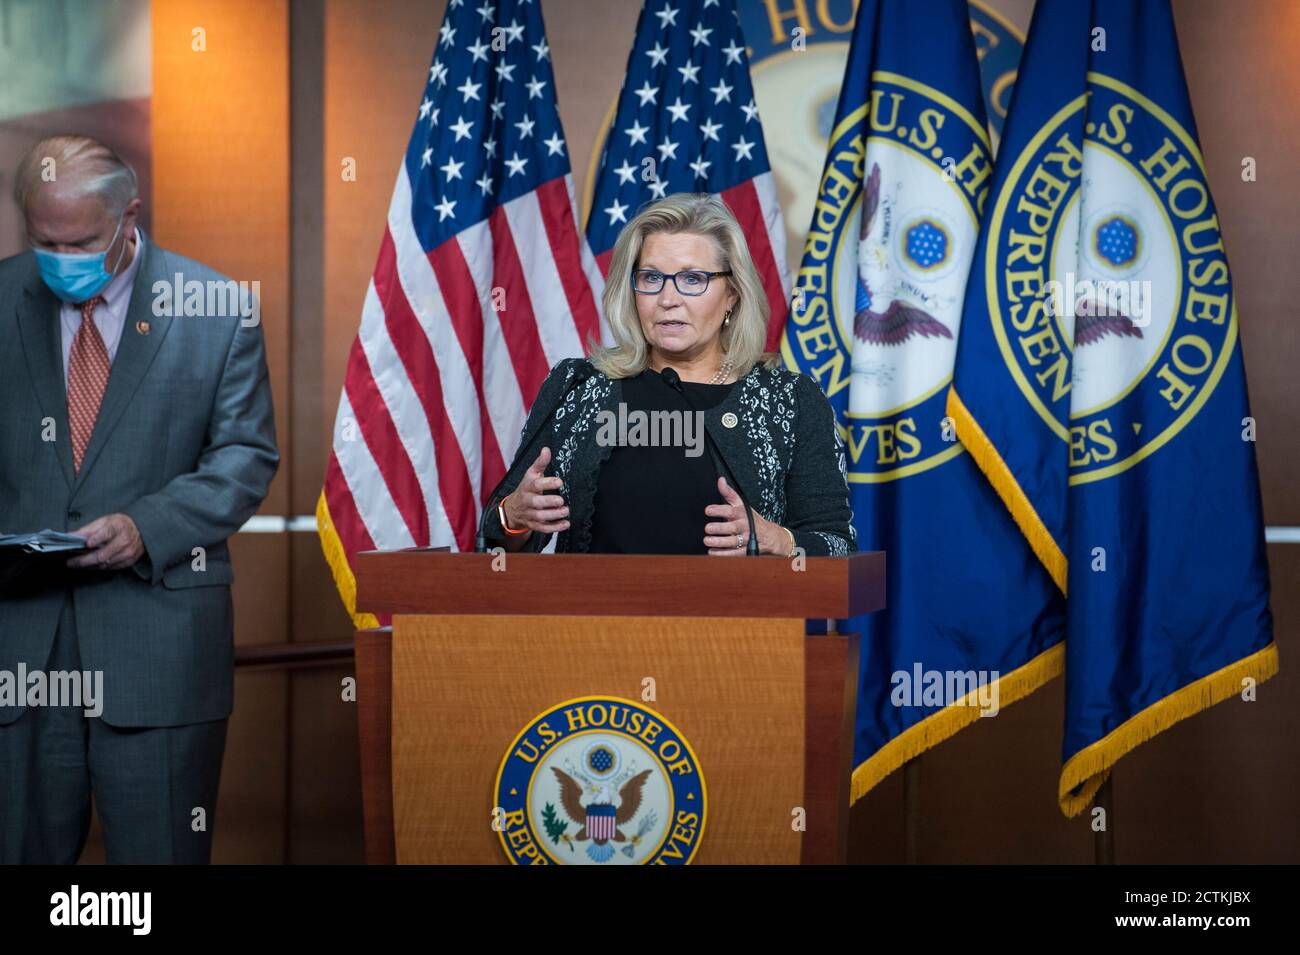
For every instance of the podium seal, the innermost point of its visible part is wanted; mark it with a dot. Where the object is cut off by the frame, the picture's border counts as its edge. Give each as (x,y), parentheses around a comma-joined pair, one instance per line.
(600,781)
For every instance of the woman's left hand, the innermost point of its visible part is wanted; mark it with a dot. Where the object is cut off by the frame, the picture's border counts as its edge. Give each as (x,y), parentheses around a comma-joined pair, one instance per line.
(728,533)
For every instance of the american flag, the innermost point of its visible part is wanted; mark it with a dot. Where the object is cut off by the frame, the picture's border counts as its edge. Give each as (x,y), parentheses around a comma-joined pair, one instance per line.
(483,282)
(688,105)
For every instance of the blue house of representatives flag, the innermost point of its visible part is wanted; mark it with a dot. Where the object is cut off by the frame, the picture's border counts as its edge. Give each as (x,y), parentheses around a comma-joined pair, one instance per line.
(1011,380)
(972,620)
(1103,390)
(1169,595)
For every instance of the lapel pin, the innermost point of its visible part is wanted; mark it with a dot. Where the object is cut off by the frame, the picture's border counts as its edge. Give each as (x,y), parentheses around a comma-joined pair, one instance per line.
(729,420)
(142,328)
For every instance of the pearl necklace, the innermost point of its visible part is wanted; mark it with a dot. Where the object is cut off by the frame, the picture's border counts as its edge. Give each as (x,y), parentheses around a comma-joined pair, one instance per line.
(723,373)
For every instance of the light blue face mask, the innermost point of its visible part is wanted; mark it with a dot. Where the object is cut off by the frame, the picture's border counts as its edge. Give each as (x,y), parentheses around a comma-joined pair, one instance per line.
(78,276)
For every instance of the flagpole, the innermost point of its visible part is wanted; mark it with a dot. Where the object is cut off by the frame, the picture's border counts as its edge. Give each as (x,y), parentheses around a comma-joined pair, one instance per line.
(912,811)
(1104,838)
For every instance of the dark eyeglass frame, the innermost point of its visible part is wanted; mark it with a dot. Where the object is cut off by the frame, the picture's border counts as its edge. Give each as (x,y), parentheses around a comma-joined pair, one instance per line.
(708,278)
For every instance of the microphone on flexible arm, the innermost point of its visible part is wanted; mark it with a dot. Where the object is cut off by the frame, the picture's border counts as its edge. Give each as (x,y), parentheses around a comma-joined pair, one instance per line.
(674,381)
(583,373)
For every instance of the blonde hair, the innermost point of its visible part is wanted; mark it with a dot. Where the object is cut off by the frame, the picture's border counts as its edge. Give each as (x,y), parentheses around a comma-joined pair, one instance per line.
(101,172)
(701,214)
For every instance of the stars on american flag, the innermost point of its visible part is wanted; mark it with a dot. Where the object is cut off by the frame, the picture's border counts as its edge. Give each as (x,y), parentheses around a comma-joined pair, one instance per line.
(700,35)
(617,212)
(683,122)
(637,132)
(514,32)
(491,74)
(516,165)
(461,128)
(469,89)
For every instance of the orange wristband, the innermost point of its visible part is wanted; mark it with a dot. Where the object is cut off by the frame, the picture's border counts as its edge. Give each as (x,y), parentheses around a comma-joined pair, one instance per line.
(501,514)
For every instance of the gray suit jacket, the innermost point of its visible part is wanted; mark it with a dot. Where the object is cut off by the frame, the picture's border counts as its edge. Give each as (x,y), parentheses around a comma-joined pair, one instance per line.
(184,444)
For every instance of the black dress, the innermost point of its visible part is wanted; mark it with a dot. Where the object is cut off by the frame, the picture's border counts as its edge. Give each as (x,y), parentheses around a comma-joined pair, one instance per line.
(651,500)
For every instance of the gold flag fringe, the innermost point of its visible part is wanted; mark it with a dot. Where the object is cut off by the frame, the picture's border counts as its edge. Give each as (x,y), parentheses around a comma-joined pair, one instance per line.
(975,441)
(1086,770)
(937,727)
(337,558)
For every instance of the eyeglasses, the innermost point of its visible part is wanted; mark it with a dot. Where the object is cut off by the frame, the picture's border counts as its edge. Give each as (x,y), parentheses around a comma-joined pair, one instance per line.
(687,282)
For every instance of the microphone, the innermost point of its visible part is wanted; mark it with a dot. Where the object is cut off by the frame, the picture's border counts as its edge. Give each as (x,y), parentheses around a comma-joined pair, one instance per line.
(580,376)
(674,381)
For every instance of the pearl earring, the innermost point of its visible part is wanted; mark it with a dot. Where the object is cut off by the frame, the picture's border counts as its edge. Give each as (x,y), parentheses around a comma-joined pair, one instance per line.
(726,318)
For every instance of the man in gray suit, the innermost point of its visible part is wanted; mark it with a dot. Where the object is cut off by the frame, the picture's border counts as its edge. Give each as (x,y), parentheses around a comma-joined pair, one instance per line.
(151,434)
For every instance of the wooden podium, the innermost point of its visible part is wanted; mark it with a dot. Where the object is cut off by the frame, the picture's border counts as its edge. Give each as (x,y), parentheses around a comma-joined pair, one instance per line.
(732,652)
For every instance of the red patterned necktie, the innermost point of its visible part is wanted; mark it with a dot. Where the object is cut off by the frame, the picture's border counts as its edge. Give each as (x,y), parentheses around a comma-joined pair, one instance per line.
(87,378)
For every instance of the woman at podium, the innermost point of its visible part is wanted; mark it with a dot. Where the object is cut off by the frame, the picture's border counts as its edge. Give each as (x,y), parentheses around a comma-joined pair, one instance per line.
(668,441)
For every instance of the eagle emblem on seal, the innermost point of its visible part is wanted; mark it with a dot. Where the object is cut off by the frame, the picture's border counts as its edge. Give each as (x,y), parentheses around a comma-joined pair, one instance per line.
(900,320)
(601,820)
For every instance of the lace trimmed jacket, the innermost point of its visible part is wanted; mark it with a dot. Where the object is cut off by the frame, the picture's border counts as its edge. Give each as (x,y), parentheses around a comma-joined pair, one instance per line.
(784,450)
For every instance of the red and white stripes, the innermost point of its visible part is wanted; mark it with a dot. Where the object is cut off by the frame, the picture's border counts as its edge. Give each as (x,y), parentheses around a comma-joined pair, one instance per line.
(452,349)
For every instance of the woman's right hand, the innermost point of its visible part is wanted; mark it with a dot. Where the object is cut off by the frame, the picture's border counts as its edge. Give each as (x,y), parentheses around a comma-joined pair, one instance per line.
(531,506)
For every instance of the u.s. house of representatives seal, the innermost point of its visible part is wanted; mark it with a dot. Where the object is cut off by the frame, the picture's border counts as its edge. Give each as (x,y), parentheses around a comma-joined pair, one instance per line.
(1114,310)
(600,781)
(878,319)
